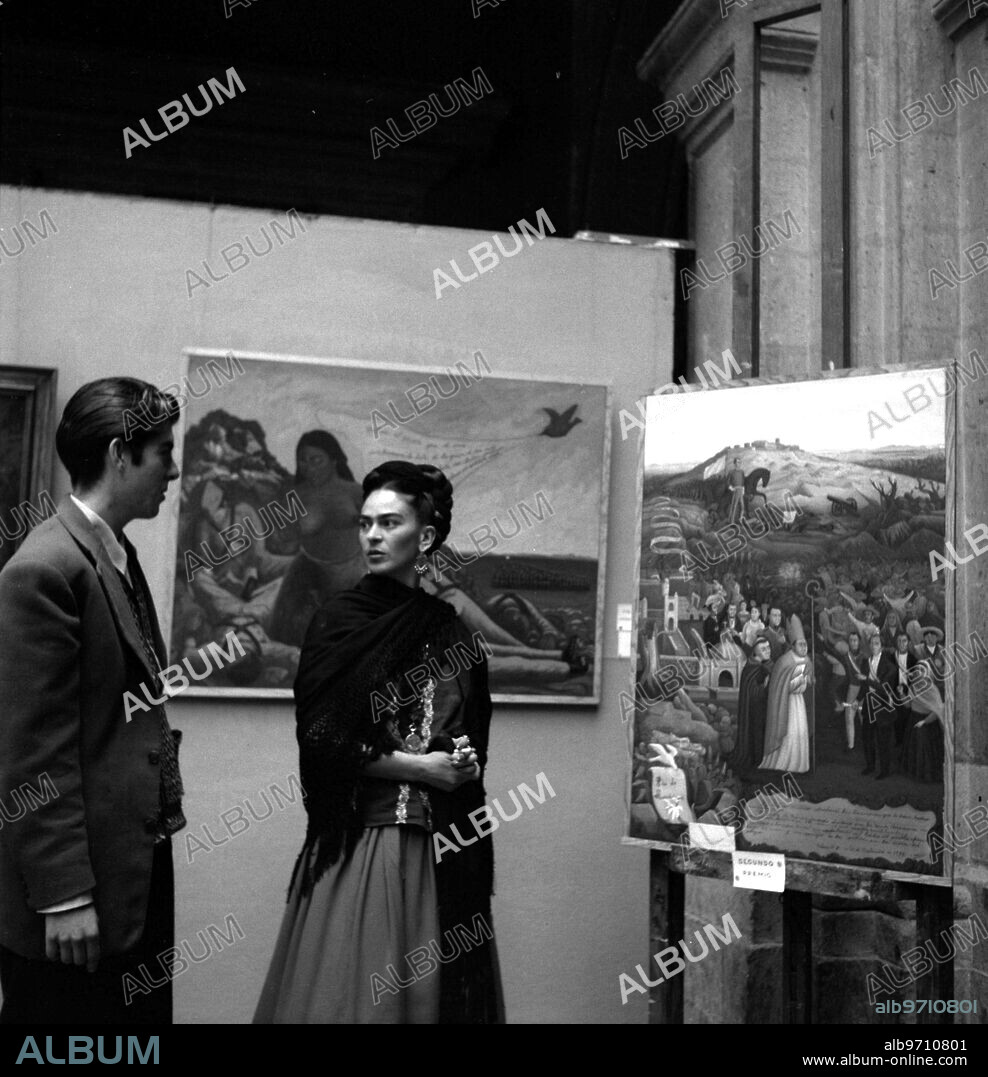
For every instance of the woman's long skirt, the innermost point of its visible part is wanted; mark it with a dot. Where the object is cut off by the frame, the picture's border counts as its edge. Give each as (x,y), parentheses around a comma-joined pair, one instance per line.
(340,957)
(922,749)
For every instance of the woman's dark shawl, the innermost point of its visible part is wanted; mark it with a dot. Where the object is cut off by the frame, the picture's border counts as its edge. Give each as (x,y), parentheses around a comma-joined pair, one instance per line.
(357,643)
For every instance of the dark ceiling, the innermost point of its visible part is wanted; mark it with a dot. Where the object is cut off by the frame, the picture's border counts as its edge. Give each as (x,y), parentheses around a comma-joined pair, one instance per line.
(318,76)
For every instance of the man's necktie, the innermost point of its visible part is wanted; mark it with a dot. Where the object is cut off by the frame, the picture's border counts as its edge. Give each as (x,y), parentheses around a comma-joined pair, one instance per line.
(170,818)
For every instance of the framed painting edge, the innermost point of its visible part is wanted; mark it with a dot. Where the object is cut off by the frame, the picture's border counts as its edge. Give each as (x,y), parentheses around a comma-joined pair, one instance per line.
(951,434)
(39,387)
(192,353)
(891,875)
(369,364)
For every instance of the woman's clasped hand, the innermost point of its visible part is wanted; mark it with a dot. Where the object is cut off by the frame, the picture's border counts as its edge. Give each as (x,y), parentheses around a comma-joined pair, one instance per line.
(450,770)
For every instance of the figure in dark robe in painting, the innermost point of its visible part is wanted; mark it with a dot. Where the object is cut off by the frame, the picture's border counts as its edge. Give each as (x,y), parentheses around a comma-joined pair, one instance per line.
(752,705)
(735,483)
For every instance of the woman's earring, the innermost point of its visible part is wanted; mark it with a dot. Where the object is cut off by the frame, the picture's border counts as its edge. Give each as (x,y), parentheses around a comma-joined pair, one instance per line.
(421,564)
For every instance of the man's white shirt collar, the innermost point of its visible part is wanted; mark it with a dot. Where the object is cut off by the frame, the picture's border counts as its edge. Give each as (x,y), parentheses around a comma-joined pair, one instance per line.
(116,552)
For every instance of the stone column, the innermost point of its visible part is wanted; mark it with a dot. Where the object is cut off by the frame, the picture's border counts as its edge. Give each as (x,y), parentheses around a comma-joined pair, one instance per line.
(969,38)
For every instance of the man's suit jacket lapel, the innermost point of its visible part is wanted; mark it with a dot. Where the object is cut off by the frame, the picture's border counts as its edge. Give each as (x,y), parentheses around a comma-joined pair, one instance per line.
(139,580)
(874,671)
(80,529)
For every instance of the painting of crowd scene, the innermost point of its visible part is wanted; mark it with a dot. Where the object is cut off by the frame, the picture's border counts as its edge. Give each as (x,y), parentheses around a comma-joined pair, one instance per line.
(788,619)
(272,460)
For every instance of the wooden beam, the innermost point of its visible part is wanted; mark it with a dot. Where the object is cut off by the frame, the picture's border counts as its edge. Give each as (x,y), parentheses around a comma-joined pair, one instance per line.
(813,876)
(797,957)
(667,925)
(934,916)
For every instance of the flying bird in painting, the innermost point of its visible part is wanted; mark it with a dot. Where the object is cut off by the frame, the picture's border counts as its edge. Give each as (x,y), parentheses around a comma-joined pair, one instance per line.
(457,456)
(560,425)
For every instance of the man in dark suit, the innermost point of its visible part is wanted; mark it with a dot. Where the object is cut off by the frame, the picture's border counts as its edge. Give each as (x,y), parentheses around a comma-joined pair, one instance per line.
(904,661)
(775,633)
(729,627)
(932,651)
(878,710)
(711,626)
(86,890)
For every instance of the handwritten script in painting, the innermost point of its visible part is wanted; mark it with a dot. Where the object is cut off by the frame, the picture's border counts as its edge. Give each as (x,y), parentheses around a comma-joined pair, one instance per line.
(837,826)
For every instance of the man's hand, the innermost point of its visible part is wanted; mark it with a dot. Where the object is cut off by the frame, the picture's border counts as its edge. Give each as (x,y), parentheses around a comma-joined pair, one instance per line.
(72,937)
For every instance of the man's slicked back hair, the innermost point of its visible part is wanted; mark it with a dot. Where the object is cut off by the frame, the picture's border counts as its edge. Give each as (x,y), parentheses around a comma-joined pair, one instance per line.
(97,413)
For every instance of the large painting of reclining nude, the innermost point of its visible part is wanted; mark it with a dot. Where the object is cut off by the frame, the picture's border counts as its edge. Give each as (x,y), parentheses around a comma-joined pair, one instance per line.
(273,452)
(792,684)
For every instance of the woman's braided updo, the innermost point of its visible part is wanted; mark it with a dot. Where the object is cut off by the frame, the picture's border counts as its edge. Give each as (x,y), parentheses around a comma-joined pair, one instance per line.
(430,492)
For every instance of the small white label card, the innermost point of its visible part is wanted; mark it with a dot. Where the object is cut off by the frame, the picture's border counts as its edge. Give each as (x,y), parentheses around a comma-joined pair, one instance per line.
(760,871)
(718,839)
(624,630)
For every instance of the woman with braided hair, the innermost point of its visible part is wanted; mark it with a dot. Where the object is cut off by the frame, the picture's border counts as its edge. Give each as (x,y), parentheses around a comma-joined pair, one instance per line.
(388,917)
